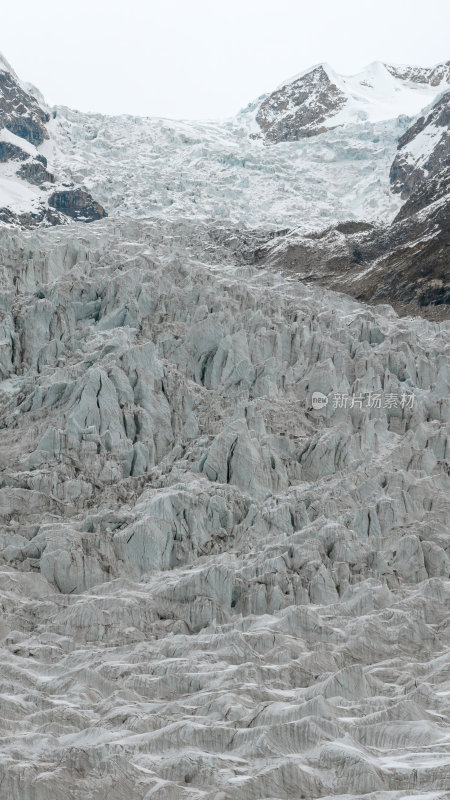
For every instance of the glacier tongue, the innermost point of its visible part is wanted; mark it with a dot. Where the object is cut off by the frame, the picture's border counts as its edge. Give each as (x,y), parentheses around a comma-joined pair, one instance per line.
(209,588)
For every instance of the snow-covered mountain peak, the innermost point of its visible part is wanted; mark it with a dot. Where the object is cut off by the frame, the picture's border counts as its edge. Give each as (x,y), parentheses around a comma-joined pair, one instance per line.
(434,76)
(320,98)
(314,70)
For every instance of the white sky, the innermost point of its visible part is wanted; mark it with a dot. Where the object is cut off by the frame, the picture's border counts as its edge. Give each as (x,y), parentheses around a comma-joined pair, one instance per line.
(200,58)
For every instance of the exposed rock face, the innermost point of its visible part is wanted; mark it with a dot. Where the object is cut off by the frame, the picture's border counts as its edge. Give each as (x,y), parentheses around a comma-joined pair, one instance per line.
(320,99)
(421,170)
(209,589)
(412,266)
(77,204)
(405,264)
(35,172)
(300,108)
(20,113)
(11,152)
(30,219)
(23,129)
(434,76)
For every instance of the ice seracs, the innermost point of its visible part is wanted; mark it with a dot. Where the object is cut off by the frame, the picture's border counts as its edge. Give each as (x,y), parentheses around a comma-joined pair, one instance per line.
(207,586)
(209,589)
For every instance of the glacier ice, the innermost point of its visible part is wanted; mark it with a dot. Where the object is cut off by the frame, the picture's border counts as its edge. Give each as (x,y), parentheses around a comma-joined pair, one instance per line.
(209,589)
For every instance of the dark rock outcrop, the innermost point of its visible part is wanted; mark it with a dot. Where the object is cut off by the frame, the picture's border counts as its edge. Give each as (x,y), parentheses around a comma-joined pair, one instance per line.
(11,152)
(77,204)
(35,173)
(32,219)
(20,113)
(421,169)
(300,108)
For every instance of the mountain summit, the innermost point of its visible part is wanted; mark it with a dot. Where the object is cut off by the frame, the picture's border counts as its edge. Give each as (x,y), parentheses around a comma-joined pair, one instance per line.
(320,98)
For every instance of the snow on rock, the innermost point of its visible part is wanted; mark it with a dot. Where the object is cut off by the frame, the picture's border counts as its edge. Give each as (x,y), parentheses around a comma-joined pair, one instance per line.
(421,168)
(19,111)
(319,98)
(23,119)
(222,170)
(433,76)
(18,142)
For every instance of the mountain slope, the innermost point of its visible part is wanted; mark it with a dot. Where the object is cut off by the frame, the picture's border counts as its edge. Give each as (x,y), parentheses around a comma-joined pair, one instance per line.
(20,113)
(358,169)
(405,263)
(26,193)
(421,169)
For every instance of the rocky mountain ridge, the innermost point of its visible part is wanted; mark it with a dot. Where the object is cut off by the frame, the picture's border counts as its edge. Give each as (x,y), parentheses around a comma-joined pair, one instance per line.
(309,104)
(26,195)
(421,170)
(434,76)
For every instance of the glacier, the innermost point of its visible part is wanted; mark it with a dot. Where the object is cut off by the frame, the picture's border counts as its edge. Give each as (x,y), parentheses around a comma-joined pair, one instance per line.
(208,587)
(144,167)
(211,589)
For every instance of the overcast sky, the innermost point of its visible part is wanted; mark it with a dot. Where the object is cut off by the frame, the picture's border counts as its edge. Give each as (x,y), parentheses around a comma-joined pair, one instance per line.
(200,58)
